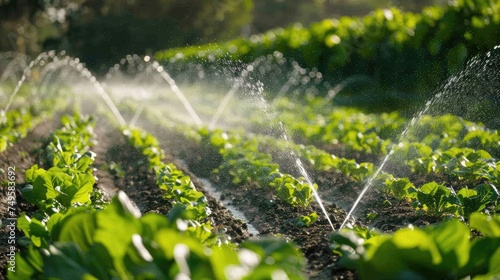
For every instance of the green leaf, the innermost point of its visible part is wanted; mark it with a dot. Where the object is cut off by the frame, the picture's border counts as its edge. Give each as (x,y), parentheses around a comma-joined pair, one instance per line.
(28,265)
(306,220)
(66,261)
(51,184)
(221,259)
(28,194)
(84,162)
(399,187)
(414,255)
(479,257)
(275,254)
(80,229)
(139,261)
(34,229)
(436,198)
(152,223)
(494,263)
(84,184)
(487,225)
(114,227)
(452,240)
(32,173)
(101,263)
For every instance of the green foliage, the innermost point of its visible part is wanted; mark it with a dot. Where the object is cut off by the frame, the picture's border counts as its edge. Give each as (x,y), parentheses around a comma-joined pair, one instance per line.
(297,192)
(70,180)
(244,163)
(178,187)
(180,190)
(319,159)
(477,199)
(66,186)
(67,240)
(435,148)
(307,220)
(24,115)
(117,242)
(445,250)
(146,144)
(436,199)
(274,258)
(320,124)
(14,125)
(427,47)
(399,187)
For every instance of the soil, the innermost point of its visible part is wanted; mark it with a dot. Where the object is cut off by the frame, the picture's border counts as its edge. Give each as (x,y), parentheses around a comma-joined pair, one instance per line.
(140,184)
(269,215)
(273,217)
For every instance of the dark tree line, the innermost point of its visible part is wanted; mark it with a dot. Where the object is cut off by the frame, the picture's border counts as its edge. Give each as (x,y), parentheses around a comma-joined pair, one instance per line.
(100,32)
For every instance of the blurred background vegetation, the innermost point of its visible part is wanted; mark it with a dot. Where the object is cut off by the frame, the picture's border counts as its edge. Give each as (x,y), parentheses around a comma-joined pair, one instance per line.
(100,32)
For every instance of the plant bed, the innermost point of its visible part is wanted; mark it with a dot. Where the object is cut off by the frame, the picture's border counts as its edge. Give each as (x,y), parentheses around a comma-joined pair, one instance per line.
(22,156)
(258,176)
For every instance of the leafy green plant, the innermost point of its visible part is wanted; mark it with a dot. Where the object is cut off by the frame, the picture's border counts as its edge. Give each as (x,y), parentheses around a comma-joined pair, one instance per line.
(321,160)
(14,125)
(180,190)
(118,242)
(178,187)
(147,144)
(297,192)
(246,166)
(57,184)
(477,199)
(66,186)
(244,163)
(437,199)
(400,188)
(445,250)
(306,220)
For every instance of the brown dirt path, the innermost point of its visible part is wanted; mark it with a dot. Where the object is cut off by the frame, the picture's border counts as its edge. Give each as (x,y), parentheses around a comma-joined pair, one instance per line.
(140,185)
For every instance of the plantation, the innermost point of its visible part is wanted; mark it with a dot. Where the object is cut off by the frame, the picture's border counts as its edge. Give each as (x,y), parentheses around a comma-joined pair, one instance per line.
(247,160)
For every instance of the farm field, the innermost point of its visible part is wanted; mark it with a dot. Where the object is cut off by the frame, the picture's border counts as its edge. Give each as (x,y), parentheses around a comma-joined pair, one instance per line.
(90,190)
(254,163)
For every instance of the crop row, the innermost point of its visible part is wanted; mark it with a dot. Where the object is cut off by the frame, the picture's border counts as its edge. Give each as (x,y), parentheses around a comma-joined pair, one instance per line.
(457,181)
(320,124)
(460,182)
(319,159)
(64,189)
(476,172)
(73,235)
(450,154)
(243,163)
(16,123)
(190,209)
(428,50)
(178,187)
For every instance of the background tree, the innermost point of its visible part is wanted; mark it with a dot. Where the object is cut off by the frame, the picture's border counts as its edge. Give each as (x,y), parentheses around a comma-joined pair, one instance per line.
(100,32)
(274,13)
